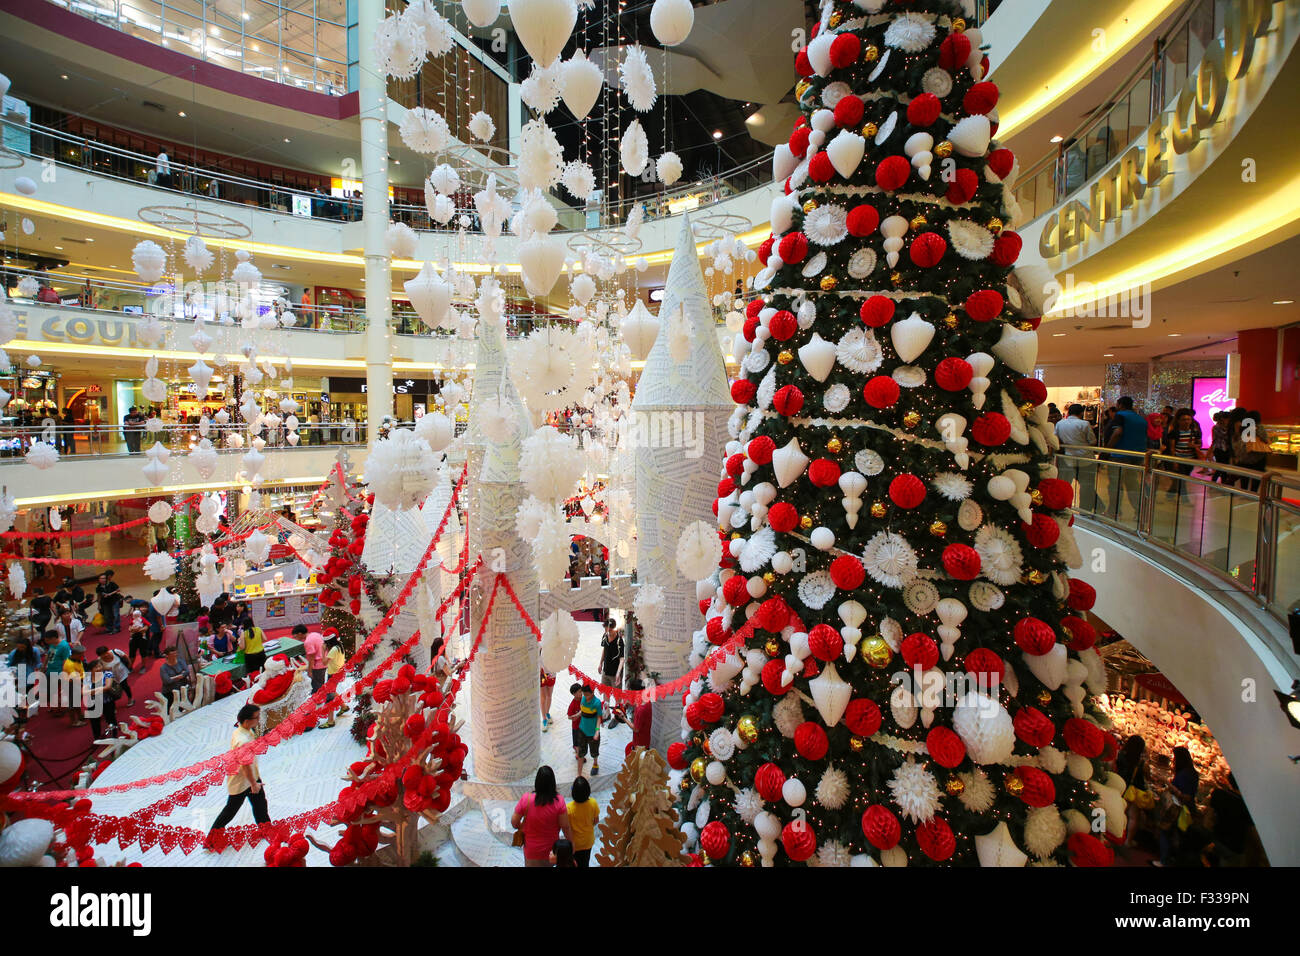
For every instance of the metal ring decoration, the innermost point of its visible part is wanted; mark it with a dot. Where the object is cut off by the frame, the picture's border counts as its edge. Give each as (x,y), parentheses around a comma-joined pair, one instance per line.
(189,221)
(719,225)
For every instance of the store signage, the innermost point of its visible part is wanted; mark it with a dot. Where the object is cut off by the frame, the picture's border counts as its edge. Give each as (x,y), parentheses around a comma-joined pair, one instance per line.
(401,386)
(1200,102)
(1210,396)
(79,329)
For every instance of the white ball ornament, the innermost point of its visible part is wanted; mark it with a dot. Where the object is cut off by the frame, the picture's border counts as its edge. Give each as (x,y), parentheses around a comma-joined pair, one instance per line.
(671,21)
(715,772)
(794,792)
(823,539)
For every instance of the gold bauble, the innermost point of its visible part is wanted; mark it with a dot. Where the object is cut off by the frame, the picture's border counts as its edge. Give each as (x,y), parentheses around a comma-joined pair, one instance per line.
(958,25)
(684,784)
(870,54)
(994,225)
(736,536)
(869,130)
(704,859)
(912,419)
(834,445)
(747,728)
(875,651)
(829,283)
(1036,497)
(955,786)
(708,748)
(1026,409)
(950,320)
(768,577)
(856,744)
(1015,786)
(836,19)
(1044,696)
(805,522)
(938,528)
(800,88)
(895,277)
(918,222)
(877,509)
(1036,577)
(785,357)
(748,859)
(772,648)
(1024,325)
(810,205)
(697,769)
(943,150)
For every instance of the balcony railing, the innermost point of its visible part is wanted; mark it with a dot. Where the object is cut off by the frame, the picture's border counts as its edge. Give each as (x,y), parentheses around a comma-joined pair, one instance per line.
(1241,525)
(106,440)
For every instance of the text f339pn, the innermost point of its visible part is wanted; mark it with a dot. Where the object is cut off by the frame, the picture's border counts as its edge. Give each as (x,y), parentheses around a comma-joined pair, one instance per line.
(77,910)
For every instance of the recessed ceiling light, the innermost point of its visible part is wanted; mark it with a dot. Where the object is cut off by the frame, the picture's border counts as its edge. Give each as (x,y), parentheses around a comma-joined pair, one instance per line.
(286,139)
(181,114)
(64,76)
(60,248)
(1174,335)
(1108,355)
(247,15)
(1058,335)
(88,239)
(1284,301)
(1057,139)
(717,134)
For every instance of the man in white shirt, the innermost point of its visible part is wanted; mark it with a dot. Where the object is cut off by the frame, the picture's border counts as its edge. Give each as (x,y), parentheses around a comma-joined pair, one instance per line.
(163,169)
(1073,430)
(69,627)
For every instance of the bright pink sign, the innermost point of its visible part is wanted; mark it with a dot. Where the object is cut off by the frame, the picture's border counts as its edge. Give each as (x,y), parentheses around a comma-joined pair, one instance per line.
(1210,395)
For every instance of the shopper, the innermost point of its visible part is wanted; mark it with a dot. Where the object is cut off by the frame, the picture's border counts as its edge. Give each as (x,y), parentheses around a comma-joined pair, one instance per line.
(109,597)
(103,693)
(1236,841)
(563,854)
(1180,805)
(547,693)
(67,626)
(1076,463)
(74,675)
(542,816)
(334,662)
(590,714)
(583,814)
(252,643)
(313,648)
(611,654)
(163,170)
(642,716)
(28,656)
(175,675)
(41,609)
(133,429)
(1250,448)
(1182,440)
(246,782)
(117,664)
(1129,434)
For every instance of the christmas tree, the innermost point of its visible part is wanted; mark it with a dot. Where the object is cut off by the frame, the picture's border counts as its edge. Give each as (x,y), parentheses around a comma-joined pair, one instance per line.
(912,686)
(640,826)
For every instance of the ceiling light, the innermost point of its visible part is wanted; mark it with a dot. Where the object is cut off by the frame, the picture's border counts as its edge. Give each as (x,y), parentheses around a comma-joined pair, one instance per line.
(1290,703)
(60,248)
(1108,355)
(1284,301)
(717,134)
(64,76)
(88,239)
(286,139)
(247,16)
(1056,139)
(1058,335)
(181,114)
(1174,335)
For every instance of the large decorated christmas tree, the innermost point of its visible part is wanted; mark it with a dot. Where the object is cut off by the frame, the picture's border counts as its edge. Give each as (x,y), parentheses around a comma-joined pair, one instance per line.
(912,689)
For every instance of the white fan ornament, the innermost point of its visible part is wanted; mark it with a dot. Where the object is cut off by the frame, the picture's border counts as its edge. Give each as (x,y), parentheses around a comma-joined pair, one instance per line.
(698,551)
(550,464)
(159,566)
(481,127)
(638,80)
(42,455)
(401,470)
(424,131)
(399,47)
(149,260)
(402,240)
(197,255)
(634,149)
(669,168)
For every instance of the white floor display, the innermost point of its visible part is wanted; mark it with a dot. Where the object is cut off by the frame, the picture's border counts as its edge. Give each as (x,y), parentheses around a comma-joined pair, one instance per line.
(305,772)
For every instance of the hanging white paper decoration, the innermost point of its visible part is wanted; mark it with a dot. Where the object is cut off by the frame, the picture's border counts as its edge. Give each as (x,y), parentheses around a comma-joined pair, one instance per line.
(669,168)
(17,581)
(550,464)
(399,46)
(197,254)
(257,547)
(541,158)
(580,84)
(433,26)
(635,219)
(559,641)
(401,470)
(648,603)
(542,260)
(204,458)
(698,550)
(160,512)
(639,331)
(540,90)
(8,511)
(634,149)
(159,566)
(638,80)
(543,26)
(578,179)
(149,260)
(402,240)
(481,127)
(481,13)
(671,21)
(42,455)
(436,429)
(429,295)
(424,131)
(247,275)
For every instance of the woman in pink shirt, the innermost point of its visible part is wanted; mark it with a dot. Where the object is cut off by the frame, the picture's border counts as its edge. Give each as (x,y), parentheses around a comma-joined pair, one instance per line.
(542,815)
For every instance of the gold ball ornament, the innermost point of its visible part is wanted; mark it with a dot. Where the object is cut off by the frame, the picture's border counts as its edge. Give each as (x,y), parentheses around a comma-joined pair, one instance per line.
(785,357)
(918,222)
(912,419)
(870,53)
(704,858)
(708,748)
(829,283)
(896,277)
(875,651)
(768,577)
(834,446)
(1036,577)
(950,320)
(772,648)
(747,728)
(878,509)
(943,149)
(1015,786)
(1044,696)
(1024,325)
(955,787)
(869,130)
(1036,496)
(1026,409)
(994,225)
(806,522)
(836,18)
(748,859)
(697,769)
(810,205)
(856,744)
(938,528)
(800,88)
(736,536)
(958,25)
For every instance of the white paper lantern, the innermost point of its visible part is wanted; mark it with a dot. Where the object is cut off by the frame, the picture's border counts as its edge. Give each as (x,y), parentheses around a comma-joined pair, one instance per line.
(639,331)
(671,21)
(542,260)
(559,641)
(430,296)
(581,82)
(543,26)
(149,260)
(165,602)
(160,512)
(481,13)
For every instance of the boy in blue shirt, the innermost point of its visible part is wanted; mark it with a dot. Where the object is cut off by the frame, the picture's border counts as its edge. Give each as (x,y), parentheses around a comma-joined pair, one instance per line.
(587,736)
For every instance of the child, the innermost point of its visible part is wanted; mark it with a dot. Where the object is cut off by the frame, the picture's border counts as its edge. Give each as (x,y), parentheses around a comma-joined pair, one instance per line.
(562,853)
(334,661)
(137,620)
(574,714)
(590,709)
(583,813)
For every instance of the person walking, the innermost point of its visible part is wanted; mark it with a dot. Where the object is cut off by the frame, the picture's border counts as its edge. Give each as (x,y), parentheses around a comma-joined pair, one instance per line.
(246,782)
(547,692)
(103,693)
(116,663)
(1180,805)
(1221,443)
(163,169)
(611,654)
(252,643)
(1074,430)
(313,648)
(583,814)
(1129,434)
(590,714)
(1182,440)
(541,816)
(335,660)
(74,675)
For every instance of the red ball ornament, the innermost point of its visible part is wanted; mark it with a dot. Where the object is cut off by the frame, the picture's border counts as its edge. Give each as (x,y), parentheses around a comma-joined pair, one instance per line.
(711,707)
(1006,248)
(799,840)
(1043,532)
(1080,635)
(799,141)
(847,572)
(845,50)
(787,400)
(743,391)
(880,827)
(715,632)
(823,472)
(987,667)
(984,305)
(725,487)
(892,172)
(877,310)
(954,51)
(753,307)
(1082,595)
(1038,790)
(736,591)
(965,183)
(924,110)
(825,642)
(862,717)
(1032,390)
(953,374)
(782,325)
(1033,727)
(760,449)
(820,168)
(863,220)
(906,490)
(772,614)
(927,249)
(736,465)
(694,719)
(715,839)
(980,100)
(810,740)
(991,429)
(1001,161)
(1033,636)
(772,672)
(1057,494)
(945,747)
(1084,737)
(935,838)
(849,111)
(803,65)
(783,517)
(919,651)
(765,247)
(1086,850)
(961,561)
(881,391)
(793,247)
(750,328)
(768,781)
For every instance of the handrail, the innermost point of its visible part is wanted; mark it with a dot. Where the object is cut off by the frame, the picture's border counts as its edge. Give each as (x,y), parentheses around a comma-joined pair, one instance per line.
(1263,584)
